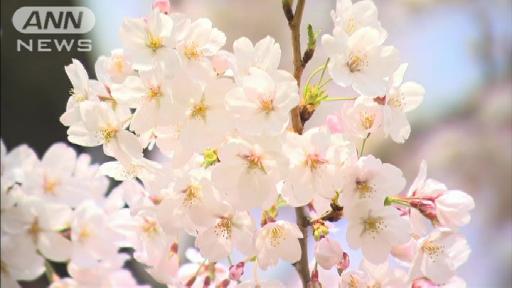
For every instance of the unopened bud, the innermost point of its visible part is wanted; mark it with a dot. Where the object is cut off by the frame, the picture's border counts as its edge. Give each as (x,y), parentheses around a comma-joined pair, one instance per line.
(343,264)
(162,5)
(236,271)
(423,283)
(207,281)
(191,281)
(328,253)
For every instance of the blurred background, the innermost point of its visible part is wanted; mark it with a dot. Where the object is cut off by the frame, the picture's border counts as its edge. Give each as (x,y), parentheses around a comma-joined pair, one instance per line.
(460,51)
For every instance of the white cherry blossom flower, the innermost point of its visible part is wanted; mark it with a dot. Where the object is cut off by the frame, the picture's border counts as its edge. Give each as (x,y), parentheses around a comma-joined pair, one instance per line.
(151,95)
(83,90)
(265,55)
(278,240)
(311,168)
(149,41)
(18,262)
(16,164)
(350,17)
(370,180)
(92,238)
(39,223)
(248,173)
(439,255)
(194,195)
(114,68)
(360,61)
(262,104)
(200,40)
(230,230)
(102,127)
(362,119)
(400,99)
(375,230)
(200,112)
(53,178)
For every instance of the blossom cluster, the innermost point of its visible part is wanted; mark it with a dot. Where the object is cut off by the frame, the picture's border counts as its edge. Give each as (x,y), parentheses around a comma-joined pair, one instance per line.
(220,122)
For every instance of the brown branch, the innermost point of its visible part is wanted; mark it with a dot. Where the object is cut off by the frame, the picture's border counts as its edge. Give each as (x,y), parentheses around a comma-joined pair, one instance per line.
(295,29)
(294,21)
(302,266)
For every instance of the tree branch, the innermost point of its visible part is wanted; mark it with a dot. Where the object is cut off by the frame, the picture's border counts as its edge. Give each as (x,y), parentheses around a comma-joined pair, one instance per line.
(302,266)
(294,21)
(295,29)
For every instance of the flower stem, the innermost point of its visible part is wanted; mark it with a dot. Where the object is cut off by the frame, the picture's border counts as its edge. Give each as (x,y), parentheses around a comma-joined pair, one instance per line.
(396,200)
(340,99)
(362,145)
(323,70)
(50,272)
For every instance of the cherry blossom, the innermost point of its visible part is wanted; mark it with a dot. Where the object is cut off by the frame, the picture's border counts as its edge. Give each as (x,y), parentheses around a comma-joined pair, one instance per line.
(353,16)
(150,94)
(113,69)
(448,208)
(83,90)
(265,55)
(253,170)
(38,225)
(370,180)
(230,229)
(439,255)
(375,230)
(101,126)
(200,112)
(19,263)
(148,41)
(278,240)
(265,99)
(312,167)
(399,99)
(359,60)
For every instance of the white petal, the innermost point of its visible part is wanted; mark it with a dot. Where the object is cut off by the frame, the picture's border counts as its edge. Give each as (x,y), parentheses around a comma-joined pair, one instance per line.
(54,246)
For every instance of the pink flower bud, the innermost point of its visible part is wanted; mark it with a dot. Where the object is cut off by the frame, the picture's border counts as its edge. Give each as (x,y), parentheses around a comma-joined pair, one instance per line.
(423,283)
(328,253)
(163,5)
(220,63)
(333,123)
(344,263)
(236,271)
(315,282)
(207,281)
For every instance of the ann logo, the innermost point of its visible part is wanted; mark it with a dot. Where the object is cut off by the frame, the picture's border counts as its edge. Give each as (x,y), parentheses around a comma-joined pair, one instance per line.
(63,20)
(53,20)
